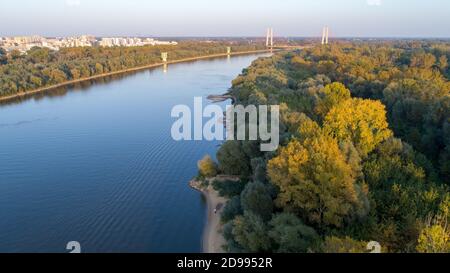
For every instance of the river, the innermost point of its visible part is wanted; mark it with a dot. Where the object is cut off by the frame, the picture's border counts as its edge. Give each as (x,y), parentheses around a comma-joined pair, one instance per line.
(96,163)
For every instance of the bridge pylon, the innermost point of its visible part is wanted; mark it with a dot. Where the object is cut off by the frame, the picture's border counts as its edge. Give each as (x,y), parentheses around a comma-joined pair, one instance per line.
(269,38)
(325,35)
(164,56)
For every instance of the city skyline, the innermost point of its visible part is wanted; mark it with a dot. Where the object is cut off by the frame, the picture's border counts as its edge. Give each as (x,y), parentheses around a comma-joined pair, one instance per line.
(232,18)
(24,44)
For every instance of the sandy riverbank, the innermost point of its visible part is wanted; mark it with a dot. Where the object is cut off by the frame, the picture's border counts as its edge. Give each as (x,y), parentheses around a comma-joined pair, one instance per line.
(31,92)
(212,240)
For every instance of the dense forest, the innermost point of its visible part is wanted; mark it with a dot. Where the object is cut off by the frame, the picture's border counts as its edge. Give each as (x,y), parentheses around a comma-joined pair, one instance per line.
(365,152)
(41,67)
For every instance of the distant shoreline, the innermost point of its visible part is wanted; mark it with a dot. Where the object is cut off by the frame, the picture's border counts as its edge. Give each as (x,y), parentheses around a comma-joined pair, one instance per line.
(123,71)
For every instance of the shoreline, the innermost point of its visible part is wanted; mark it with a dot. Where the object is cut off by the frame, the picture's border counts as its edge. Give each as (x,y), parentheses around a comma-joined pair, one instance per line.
(212,238)
(67,83)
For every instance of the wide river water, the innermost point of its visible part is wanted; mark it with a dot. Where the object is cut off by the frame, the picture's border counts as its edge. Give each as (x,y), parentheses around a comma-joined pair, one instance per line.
(96,164)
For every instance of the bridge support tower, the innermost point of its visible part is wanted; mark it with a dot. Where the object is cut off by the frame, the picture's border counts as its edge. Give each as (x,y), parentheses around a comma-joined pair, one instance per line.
(269,38)
(164,56)
(325,35)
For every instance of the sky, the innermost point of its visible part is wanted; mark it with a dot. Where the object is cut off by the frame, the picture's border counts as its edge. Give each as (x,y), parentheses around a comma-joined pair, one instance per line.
(304,18)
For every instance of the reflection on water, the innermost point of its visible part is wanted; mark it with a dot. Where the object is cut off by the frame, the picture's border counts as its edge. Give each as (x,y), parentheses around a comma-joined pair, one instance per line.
(94,163)
(22,122)
(76,87)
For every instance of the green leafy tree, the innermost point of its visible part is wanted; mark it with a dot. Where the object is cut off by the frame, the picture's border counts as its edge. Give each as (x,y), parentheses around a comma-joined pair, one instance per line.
(233,160)
(232,209)
(403,198)
(250,232)
(257,199)
(36,81)
(3,57)
(290,235)
(443,63)
(228,188)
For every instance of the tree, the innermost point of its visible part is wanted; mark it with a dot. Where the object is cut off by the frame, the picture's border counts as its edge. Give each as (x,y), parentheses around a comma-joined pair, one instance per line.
(3,56)
(316,181)
(422,60)
(207,167)
(434,239)
(363,122)
(15,55)
(418,113)
(435,236)
(398,185)
(332,94)
(257,199)
(36,81)
(57,76)
(443,63)
(232,209)
(352,158)
(259,169)
(250,233)
(75,73)
(38,55)
(99,68)
(308,128)
(343,245)
(327,67)
(290,235)
(231,245)
(232,159)
(228,188)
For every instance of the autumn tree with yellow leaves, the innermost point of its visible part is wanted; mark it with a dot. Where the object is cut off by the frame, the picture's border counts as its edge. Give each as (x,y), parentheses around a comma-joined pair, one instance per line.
(361,121)
(316,181)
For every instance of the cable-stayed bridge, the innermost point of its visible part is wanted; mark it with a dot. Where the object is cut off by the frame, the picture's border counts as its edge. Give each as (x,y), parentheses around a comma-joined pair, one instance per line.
(270,40)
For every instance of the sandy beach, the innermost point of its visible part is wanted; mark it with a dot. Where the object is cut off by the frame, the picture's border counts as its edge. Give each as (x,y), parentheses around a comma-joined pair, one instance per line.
(212,240)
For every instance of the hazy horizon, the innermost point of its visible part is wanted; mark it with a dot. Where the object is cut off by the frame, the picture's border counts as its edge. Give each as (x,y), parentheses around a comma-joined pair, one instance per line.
(232,18)
(242,37)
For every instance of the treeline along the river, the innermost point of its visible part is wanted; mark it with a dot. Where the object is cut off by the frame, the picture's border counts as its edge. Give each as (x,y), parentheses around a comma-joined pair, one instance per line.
(42,67)
(365,153)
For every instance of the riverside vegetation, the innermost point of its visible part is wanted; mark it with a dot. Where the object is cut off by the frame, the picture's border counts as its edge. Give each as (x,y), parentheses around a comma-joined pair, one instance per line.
(365,153)
(42,67)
